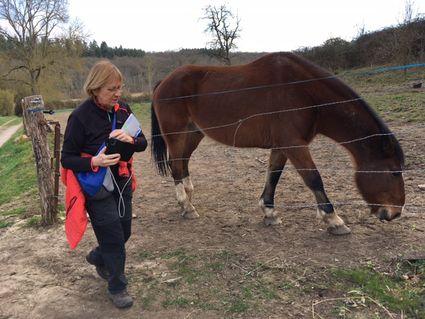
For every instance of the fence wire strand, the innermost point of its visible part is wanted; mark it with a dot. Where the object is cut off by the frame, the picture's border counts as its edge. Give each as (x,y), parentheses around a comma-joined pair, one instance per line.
(239,122)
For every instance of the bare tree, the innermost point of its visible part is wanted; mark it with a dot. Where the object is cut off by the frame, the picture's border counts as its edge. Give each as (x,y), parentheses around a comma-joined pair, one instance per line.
(224,27)
(409,12)
(150,70)
(31,27)
(407,34)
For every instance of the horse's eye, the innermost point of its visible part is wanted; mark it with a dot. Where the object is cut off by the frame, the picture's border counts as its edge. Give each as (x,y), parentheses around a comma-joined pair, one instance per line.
(396,174)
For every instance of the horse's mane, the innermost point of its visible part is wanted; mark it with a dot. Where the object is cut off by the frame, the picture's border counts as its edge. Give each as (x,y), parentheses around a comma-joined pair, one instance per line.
(387,139)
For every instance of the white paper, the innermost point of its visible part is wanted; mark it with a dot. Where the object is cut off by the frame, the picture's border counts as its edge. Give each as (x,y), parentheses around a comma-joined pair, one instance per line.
(132,126)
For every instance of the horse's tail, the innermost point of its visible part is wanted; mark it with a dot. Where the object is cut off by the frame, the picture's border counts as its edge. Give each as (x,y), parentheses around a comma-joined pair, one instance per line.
(158,146)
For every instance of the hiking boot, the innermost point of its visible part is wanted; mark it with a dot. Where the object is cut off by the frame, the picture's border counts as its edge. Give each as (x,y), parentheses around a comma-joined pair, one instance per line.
(100,269)
(121,299)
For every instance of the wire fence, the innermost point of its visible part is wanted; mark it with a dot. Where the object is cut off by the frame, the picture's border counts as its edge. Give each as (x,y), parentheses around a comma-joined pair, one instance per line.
(410,172)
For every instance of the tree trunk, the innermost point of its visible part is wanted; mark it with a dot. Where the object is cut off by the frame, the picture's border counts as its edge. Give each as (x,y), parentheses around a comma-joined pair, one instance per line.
(37,128)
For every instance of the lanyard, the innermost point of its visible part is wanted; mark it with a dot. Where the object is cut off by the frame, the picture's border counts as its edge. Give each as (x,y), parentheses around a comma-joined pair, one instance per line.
(114,121)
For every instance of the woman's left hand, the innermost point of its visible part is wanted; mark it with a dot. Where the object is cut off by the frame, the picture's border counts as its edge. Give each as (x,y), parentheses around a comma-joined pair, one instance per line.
(121,135)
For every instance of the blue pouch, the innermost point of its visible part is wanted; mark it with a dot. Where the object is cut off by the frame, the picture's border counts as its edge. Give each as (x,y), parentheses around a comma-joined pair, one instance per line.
(91,182)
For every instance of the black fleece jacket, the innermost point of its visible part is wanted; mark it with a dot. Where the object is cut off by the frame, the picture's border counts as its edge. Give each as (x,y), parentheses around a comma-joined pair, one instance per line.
(88,128)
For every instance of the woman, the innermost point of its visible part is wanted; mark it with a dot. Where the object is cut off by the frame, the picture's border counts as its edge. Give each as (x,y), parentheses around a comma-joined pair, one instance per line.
(89,126)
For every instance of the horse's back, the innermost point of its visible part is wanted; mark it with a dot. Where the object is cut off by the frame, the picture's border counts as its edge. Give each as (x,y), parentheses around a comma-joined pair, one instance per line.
(232,103)
(269,69)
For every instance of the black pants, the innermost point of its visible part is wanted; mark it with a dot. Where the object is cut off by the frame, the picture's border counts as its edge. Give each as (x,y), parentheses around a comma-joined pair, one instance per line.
(111,221)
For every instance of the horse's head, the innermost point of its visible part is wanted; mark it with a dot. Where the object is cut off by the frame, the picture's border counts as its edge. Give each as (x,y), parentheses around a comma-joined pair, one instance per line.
(380,180)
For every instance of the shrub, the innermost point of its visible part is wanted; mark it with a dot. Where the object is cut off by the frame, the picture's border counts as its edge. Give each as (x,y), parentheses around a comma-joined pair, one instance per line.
(20,94)
(7,104)
(136,98)
(62,104)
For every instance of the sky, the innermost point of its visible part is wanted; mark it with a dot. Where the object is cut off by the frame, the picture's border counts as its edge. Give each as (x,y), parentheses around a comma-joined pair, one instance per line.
(266,25)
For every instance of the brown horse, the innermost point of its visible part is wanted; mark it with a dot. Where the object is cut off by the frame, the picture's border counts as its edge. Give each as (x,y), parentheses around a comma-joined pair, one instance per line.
(279,102)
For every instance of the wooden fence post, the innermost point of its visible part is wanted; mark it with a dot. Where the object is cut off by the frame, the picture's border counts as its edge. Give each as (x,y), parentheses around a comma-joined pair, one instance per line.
(37,129)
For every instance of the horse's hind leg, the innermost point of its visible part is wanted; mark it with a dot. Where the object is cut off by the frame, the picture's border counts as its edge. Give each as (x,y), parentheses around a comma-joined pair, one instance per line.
(277,162)
(303,162)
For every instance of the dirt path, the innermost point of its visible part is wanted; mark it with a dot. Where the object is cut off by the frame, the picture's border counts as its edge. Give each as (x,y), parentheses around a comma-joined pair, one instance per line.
(7,132)
(42,278)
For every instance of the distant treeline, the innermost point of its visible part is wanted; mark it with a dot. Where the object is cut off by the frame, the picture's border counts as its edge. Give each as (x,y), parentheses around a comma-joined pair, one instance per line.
(402,44)
(92,49)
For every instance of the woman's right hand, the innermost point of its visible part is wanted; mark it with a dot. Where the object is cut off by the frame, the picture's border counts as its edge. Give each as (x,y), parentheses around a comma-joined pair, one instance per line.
(105,160)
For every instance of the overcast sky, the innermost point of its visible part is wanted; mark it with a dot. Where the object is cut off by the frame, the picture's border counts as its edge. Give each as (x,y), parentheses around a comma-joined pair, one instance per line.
(267,25)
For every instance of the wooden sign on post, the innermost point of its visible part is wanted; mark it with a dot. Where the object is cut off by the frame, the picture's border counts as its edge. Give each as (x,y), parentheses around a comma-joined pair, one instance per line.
(37,129)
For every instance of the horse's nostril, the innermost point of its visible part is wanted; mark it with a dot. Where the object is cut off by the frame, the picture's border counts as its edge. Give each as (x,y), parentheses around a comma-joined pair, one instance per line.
(383,215)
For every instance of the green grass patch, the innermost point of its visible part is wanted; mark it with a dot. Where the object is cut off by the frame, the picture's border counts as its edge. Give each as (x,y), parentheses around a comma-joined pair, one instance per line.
(237,305)
(142,112)
(405,107)
(17,169)
(209,281)
(398,292)
(233,285)
(4,224)
(180,302)
(365,78)
(13,212)
(33,221)
(390,93)
(10,120)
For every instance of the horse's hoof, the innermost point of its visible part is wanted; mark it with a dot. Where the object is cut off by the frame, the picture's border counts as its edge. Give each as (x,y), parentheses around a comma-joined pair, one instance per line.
(339,230)
(270,221)
(190,215)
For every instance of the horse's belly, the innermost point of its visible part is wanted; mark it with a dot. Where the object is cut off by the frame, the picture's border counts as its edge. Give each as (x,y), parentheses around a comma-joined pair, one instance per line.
(240,135)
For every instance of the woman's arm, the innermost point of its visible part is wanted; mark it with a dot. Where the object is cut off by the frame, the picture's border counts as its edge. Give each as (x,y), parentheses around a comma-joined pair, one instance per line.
(73,145)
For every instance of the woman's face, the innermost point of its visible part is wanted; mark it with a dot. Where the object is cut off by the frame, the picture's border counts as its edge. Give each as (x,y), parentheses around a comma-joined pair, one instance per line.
(109,94)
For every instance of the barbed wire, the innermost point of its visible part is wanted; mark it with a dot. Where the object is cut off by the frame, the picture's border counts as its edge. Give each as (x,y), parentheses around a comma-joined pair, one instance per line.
(240,122)
(350,170)
(307,146)
(292,146)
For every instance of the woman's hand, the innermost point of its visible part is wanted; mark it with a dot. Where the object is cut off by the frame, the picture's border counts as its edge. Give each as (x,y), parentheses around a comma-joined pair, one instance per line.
(105,160)
(121,135)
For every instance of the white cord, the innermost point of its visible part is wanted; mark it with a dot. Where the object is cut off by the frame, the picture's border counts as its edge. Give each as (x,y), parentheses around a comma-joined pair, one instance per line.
(120,191)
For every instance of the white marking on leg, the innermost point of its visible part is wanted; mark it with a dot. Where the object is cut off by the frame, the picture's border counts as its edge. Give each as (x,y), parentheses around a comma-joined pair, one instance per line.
(181,194)
(189,210)
(270,214)
(332,219)
(268,211)
(188,187)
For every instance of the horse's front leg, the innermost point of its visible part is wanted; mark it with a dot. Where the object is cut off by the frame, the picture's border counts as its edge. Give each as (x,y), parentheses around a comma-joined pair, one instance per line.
(303,162)
(277,162)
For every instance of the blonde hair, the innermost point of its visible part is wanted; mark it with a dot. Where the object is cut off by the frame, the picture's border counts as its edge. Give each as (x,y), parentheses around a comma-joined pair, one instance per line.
(100,74)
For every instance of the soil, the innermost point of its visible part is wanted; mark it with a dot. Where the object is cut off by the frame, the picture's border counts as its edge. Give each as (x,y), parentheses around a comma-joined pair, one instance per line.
(6,132)
(41,277)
